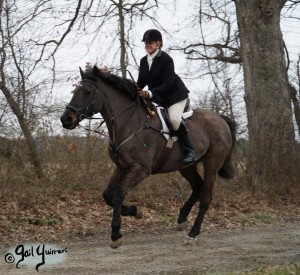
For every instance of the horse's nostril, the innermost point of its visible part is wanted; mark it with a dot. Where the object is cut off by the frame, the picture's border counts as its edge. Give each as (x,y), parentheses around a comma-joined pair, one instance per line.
(67,121)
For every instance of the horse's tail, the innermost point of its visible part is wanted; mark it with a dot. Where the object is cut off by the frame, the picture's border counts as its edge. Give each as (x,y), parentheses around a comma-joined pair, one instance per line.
(229,170)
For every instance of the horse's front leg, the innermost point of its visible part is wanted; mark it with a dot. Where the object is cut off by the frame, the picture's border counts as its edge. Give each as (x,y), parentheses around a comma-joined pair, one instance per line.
(112,188)
(116,236)
(131,178)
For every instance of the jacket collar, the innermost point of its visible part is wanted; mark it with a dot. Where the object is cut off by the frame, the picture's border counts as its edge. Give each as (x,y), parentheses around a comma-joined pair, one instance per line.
(159,53)
(155,60)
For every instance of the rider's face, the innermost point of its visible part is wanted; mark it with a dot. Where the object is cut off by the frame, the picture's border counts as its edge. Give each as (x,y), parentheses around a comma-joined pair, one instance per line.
(151,46)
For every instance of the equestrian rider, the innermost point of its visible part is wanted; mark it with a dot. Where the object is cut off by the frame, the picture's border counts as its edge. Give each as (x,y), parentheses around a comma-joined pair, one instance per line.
(157,72)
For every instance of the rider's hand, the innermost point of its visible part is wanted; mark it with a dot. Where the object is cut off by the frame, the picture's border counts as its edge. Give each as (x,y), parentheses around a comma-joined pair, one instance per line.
(144,94)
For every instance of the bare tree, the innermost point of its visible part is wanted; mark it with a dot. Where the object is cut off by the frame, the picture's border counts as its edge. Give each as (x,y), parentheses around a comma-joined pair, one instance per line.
(295,100)
(26,52)
(295,95)
(256,43)
(273,161)
(115,20)
(212,52)
(14,88)
(138,9)
(1,6)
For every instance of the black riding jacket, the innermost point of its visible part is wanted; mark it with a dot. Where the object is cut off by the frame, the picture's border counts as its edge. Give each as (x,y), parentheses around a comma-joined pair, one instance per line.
(165,85)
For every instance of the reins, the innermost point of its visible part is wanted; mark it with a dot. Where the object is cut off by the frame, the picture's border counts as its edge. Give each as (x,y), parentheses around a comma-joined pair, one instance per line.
(145,101)
(111,118)
(95,130)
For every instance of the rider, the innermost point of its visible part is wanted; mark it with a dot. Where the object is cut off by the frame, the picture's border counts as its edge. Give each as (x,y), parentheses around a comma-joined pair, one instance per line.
(157,72)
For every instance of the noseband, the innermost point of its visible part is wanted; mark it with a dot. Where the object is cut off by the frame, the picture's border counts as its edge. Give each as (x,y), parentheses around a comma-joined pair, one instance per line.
(81,113)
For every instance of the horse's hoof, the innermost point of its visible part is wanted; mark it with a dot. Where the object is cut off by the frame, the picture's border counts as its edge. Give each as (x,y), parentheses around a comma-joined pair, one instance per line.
(117,243)
(139,213)
(189,241)
(182,226)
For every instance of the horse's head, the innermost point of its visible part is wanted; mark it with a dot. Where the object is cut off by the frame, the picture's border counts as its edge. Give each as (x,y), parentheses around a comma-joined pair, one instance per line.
(83,104)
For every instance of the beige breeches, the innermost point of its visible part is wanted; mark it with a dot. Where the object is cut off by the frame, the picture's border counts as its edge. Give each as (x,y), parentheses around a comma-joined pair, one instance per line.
(175,113)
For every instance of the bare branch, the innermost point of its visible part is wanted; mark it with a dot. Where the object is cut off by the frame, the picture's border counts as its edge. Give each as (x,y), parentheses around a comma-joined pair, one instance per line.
(58,43)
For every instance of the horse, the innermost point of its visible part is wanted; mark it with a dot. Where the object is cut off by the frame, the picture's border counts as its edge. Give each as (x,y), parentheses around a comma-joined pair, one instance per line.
(136,144)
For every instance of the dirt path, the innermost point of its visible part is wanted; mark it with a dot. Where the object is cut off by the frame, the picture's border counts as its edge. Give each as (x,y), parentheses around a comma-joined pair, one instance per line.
(215,253)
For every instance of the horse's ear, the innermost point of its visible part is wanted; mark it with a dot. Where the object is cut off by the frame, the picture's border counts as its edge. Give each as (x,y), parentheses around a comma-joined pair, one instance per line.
(81,72)
(95,70)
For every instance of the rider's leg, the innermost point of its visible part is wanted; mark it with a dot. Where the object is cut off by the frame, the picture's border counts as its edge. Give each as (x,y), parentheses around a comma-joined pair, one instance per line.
(175,114)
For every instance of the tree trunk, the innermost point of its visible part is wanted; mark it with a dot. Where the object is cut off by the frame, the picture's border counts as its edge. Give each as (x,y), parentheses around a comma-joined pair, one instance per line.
(272,161)
(122,38)
(296,104)
(1,7)
(26,131)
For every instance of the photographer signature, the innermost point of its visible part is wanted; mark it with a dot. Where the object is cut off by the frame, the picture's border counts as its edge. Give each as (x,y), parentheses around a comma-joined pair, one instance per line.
(37,253)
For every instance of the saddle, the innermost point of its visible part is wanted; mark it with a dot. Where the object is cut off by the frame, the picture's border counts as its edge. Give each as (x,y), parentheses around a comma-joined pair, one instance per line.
(168,133)
(163,115)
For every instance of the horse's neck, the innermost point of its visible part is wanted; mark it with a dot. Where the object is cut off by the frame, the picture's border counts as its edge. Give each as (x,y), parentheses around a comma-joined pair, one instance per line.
(119,111)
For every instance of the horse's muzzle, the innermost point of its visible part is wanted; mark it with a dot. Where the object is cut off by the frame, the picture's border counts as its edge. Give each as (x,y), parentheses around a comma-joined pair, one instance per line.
(69,120)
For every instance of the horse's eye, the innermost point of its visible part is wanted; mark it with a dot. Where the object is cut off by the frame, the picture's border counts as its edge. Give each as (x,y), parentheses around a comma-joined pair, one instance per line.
(87,89)
(86,92)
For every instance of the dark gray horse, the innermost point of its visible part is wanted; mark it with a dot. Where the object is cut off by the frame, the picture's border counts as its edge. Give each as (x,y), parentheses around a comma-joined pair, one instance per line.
(136,146)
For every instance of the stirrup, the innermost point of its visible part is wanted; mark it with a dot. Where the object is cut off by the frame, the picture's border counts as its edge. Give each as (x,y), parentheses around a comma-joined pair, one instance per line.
(189,157)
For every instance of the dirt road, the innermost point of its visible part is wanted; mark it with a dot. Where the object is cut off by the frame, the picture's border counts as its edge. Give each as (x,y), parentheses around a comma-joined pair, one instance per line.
(215,253)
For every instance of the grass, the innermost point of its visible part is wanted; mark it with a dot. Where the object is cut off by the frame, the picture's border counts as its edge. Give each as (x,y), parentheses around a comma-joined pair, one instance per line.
(291,269)
(272,270)
(256,218)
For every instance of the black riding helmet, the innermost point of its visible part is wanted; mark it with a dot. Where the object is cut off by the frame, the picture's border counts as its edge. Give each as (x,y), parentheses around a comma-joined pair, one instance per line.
(152,35)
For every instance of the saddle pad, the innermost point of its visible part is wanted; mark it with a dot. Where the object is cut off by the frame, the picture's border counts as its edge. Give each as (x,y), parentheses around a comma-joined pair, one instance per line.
(165,128)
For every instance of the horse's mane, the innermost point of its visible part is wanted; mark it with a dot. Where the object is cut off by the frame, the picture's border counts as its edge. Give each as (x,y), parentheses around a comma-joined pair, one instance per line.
(125,85)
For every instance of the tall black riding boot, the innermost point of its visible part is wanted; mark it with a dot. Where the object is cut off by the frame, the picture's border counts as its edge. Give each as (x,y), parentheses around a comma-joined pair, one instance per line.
(188,149)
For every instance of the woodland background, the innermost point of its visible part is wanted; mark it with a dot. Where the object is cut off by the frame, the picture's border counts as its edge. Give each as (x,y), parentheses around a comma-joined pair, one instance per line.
(234,56)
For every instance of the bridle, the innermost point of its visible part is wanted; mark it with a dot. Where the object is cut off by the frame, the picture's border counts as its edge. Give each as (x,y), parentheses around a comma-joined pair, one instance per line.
(82,113)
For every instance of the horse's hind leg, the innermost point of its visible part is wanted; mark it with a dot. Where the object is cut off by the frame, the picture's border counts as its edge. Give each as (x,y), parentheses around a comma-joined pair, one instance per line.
(210,174)
(192,176)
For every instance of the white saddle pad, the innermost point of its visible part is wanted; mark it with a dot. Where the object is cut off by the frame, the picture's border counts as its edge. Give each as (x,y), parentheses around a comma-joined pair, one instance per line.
(165,128)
